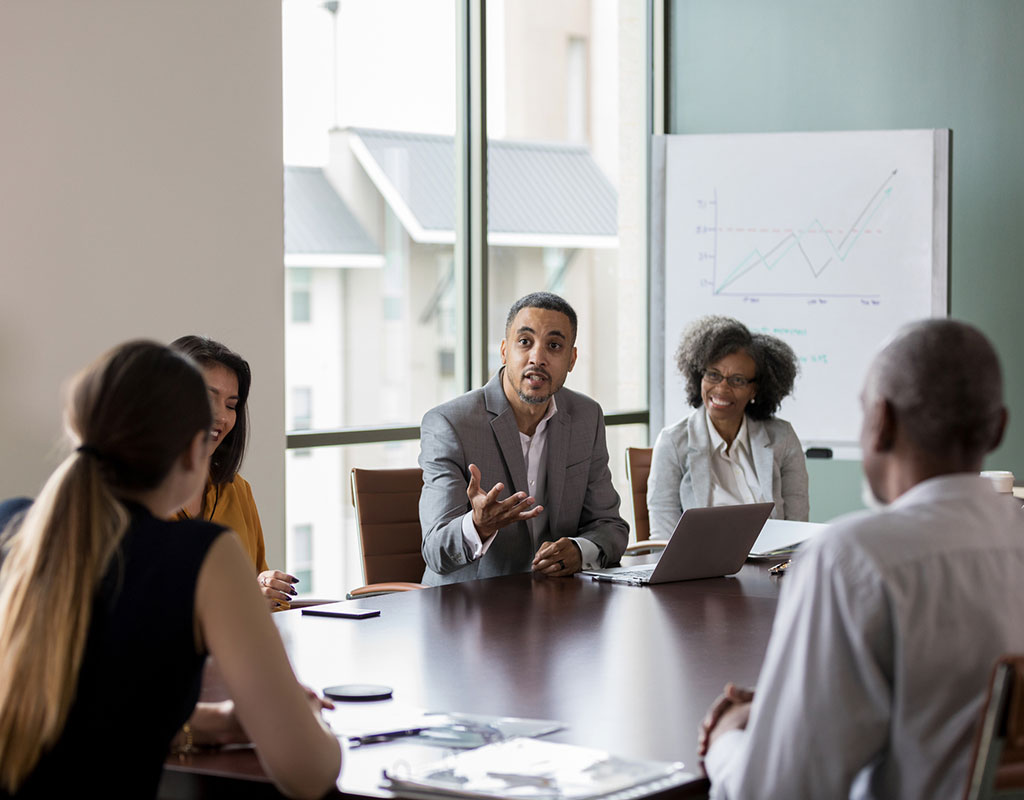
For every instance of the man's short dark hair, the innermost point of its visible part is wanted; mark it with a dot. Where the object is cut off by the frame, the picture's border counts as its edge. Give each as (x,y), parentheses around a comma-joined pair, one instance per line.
(546,301)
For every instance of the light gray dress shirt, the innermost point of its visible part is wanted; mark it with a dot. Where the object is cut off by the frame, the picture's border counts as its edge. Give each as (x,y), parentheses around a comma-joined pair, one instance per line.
(887,629)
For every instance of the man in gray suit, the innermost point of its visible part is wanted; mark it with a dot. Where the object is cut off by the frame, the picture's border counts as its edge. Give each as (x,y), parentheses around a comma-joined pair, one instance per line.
(541,448)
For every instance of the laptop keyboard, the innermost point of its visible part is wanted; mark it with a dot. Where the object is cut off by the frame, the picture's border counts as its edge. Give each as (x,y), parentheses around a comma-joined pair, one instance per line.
(636,572)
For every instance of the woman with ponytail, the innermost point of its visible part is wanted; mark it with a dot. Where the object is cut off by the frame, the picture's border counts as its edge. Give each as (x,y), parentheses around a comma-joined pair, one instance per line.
(109,610)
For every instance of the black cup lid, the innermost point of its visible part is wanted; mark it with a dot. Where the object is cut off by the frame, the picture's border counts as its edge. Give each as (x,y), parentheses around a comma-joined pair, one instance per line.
(358,692)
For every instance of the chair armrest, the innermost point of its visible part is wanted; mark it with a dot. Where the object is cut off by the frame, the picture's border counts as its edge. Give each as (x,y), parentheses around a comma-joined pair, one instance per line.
(645,547)
(373,589)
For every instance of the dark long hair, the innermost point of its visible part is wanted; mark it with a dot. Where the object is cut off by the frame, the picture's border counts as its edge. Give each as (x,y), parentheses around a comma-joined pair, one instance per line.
(132,414)
(227,458)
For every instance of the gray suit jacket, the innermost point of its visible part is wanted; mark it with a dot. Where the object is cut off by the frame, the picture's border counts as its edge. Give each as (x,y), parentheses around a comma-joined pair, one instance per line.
(480,428)
(681,470)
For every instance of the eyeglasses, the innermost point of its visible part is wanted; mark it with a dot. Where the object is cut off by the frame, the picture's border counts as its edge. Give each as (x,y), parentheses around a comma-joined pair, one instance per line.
(735,381)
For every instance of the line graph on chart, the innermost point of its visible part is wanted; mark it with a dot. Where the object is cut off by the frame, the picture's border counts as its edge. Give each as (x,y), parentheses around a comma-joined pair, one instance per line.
(835,253)
(828,240)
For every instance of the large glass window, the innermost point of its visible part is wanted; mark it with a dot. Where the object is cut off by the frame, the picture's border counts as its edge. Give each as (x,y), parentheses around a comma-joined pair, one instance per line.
(566,183)
(369,113)
(370,206)
(334,564)
(376,322)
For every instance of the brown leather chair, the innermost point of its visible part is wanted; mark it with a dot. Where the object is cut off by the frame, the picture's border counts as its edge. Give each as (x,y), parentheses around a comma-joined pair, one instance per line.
(387,508)
(997,764)
(638,467)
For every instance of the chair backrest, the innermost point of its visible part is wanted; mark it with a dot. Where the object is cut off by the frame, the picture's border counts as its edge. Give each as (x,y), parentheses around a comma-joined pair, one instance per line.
(387,508)
(638,467)
(997,764)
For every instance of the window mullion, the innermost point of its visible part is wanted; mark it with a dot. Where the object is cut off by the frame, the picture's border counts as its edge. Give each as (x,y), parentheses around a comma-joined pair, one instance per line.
(471,191)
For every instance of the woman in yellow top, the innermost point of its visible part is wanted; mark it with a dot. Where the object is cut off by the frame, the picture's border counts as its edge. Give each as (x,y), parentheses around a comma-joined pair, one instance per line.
(227,498)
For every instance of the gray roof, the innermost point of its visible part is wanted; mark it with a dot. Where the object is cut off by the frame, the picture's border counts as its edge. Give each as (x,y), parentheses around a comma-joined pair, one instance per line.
(318,223)
(540,193)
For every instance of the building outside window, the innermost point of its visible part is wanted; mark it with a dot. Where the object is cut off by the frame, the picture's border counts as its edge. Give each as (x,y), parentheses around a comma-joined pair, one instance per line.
(300,295)
(370,201)
(302,408)
(300,557)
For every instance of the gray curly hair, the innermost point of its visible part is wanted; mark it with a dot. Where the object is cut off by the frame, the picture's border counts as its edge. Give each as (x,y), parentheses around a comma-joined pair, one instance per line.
(711,338)
(944,379)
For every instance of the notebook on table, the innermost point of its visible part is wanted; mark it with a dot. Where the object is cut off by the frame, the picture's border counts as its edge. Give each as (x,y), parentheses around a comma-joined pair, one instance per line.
(780,538)
(531,769)
(706,543)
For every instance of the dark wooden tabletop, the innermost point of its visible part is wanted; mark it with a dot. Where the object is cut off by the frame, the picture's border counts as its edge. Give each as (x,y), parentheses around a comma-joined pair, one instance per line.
(628,669)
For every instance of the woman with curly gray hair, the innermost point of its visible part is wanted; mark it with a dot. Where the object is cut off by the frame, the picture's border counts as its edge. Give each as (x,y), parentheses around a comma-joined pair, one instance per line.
(731,449)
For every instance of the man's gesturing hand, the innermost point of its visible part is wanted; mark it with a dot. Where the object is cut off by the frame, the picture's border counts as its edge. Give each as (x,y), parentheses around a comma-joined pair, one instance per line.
(490,513)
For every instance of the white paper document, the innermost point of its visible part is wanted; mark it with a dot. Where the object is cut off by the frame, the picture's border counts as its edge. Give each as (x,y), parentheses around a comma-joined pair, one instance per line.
(536,770)
(779,538)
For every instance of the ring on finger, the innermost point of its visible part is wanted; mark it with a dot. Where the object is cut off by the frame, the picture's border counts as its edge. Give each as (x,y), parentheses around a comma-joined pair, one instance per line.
(561,564)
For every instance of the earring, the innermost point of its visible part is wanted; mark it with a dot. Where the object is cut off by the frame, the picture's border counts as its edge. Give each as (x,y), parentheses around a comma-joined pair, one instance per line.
(752,399)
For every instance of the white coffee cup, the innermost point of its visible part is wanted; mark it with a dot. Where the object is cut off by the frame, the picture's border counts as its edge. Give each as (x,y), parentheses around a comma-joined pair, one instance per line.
(1002,480)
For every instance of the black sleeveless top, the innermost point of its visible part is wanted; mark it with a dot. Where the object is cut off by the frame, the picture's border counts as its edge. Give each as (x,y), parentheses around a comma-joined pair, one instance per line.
(140,675)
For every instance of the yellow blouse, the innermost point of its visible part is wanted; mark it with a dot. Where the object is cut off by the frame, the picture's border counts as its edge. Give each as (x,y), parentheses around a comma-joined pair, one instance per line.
(235,508)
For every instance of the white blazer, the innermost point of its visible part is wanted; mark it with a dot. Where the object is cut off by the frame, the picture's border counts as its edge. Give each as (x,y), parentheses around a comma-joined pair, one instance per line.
(681,470)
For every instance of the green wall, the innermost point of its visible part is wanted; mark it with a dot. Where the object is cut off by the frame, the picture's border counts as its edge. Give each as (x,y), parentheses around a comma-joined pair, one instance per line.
(741,66)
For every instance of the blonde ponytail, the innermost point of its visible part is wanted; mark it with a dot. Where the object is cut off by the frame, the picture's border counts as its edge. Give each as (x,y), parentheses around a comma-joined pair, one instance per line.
(46,589)
(137,408)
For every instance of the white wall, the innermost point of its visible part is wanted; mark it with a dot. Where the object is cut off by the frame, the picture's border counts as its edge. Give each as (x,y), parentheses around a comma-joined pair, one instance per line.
(140,195)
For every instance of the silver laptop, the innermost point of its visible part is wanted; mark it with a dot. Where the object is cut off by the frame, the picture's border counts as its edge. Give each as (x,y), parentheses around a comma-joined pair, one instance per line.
(707,543)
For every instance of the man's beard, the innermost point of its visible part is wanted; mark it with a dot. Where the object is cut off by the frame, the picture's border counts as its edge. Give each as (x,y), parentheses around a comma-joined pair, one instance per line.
(532,400)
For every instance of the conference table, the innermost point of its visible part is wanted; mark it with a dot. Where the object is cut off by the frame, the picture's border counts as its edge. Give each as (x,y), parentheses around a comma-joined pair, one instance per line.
(628,669)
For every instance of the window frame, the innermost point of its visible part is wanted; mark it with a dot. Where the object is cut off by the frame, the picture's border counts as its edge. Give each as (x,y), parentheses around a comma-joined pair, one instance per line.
(471,212)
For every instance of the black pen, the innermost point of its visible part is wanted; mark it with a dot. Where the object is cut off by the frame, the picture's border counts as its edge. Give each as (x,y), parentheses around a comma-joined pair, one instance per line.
(383,736)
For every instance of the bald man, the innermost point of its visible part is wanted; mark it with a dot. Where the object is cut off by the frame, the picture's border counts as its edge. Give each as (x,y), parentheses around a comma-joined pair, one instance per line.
(890,622)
